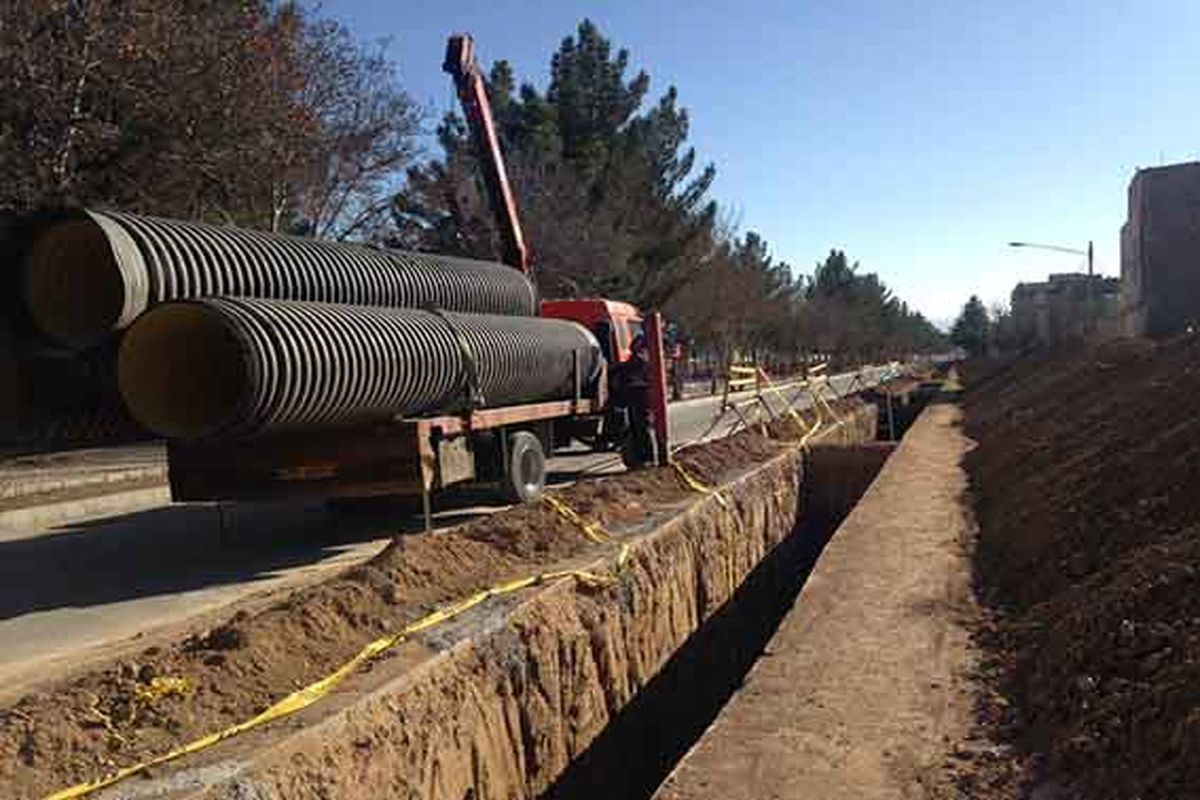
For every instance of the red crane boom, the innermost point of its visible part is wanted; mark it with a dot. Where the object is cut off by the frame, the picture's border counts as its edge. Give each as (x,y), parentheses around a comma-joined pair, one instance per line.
(615,324)
(472,93)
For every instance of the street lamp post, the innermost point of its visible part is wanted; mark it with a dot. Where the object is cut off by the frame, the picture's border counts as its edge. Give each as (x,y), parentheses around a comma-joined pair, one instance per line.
(1091,304)
(1058,249)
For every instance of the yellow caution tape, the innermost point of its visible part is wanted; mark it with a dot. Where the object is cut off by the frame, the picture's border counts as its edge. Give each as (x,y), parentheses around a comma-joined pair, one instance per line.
(789,407)
(695,484)
(751,373)
(591,530)
(819,398)
(804,439)
(305,697)
(726,547)
(726,544)
(623,553)
(161,687)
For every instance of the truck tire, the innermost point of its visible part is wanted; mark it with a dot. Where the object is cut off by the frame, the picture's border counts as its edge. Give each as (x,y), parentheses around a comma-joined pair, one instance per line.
(525,471)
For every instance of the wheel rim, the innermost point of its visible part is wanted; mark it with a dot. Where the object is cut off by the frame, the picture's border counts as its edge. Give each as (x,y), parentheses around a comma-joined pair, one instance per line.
(529,471)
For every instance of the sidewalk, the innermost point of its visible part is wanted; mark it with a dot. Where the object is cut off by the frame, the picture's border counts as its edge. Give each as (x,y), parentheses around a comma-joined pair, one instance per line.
(44,473)
(861,691)
(47,488)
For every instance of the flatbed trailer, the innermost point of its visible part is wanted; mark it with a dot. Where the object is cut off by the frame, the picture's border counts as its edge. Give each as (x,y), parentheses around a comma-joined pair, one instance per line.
(505,447)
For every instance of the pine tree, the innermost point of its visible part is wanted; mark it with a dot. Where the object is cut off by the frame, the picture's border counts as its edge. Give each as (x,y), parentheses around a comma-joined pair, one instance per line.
(608,192)
(970,330)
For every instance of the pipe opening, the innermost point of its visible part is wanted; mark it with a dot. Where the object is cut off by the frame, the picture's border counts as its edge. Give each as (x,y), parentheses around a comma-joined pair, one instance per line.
(182,372)
(74,287)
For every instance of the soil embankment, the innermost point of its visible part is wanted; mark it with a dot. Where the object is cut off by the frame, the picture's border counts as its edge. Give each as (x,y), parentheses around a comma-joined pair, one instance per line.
(1086,483)
(497,701)
(869,688)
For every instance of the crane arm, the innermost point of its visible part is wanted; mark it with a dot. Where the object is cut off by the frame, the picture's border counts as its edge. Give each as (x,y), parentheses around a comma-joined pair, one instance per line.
(472,94)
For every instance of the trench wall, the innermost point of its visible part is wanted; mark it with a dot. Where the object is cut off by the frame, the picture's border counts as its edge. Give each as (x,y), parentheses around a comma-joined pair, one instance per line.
(519,705)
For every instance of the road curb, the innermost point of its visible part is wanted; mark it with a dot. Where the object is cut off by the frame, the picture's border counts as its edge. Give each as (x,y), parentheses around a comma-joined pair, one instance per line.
(77,509)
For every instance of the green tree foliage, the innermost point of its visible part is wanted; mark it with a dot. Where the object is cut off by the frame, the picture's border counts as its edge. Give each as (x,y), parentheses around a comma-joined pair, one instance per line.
(750,304)
(610,197)
(265,115)
(614,204)
(252,112)
(971,329)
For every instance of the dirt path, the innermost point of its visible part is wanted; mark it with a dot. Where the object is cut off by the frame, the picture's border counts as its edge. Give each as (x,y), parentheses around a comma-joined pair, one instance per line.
(863,691)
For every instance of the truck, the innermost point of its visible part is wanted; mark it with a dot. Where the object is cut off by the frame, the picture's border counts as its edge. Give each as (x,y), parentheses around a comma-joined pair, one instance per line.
(504,447)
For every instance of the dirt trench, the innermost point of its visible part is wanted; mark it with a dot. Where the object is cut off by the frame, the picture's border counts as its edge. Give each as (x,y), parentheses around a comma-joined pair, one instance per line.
(496,703)
(640,746)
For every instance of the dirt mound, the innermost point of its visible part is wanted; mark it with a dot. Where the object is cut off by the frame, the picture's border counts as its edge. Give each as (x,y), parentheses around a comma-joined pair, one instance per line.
(1085,482)
(143,707)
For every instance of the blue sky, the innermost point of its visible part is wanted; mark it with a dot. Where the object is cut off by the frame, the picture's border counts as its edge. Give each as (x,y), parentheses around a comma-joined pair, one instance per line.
(918,136)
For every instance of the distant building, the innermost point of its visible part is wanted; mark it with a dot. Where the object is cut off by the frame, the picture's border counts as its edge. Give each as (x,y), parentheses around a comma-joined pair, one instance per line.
(1058,310)
(1160,252)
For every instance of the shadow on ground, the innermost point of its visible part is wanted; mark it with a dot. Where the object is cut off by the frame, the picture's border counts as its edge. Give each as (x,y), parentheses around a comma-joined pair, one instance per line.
(185,547)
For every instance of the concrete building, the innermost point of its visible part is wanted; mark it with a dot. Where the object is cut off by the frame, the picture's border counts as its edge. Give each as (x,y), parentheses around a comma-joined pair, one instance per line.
(1057,310)
(1160,252)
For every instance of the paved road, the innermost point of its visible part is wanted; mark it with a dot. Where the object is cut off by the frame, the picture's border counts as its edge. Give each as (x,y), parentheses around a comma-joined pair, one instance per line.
(68,593)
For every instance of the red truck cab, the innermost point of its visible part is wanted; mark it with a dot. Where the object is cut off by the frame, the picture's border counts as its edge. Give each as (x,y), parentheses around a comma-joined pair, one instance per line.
(614,324)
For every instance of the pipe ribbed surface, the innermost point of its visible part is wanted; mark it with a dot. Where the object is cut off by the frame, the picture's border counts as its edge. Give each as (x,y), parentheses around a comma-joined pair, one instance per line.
(236,366)
(97,271)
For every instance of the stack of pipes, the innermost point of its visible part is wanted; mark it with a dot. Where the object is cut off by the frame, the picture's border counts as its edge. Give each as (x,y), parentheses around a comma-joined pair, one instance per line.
(211,331)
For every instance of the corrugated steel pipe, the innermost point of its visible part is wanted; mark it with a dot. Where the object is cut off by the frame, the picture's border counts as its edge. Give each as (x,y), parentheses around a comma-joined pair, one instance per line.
(97,271)
(235,367)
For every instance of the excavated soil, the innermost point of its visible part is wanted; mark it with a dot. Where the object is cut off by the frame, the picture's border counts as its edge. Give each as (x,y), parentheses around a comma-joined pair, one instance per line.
(868,688)
(1086,484)
(169,695)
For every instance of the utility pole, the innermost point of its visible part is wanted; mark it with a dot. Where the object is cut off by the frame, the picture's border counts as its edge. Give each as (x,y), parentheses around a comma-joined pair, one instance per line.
(1091,292)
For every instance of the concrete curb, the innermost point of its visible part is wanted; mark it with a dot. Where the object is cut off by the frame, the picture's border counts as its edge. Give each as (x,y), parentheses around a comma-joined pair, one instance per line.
(57,512)
(47,480)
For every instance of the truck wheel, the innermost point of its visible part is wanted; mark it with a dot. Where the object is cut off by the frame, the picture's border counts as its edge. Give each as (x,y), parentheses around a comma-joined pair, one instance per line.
(525,472)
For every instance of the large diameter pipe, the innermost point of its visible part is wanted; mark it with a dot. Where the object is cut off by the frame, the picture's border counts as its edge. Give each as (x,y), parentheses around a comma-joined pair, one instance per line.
(61,401)
(224,367)
(97,271)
